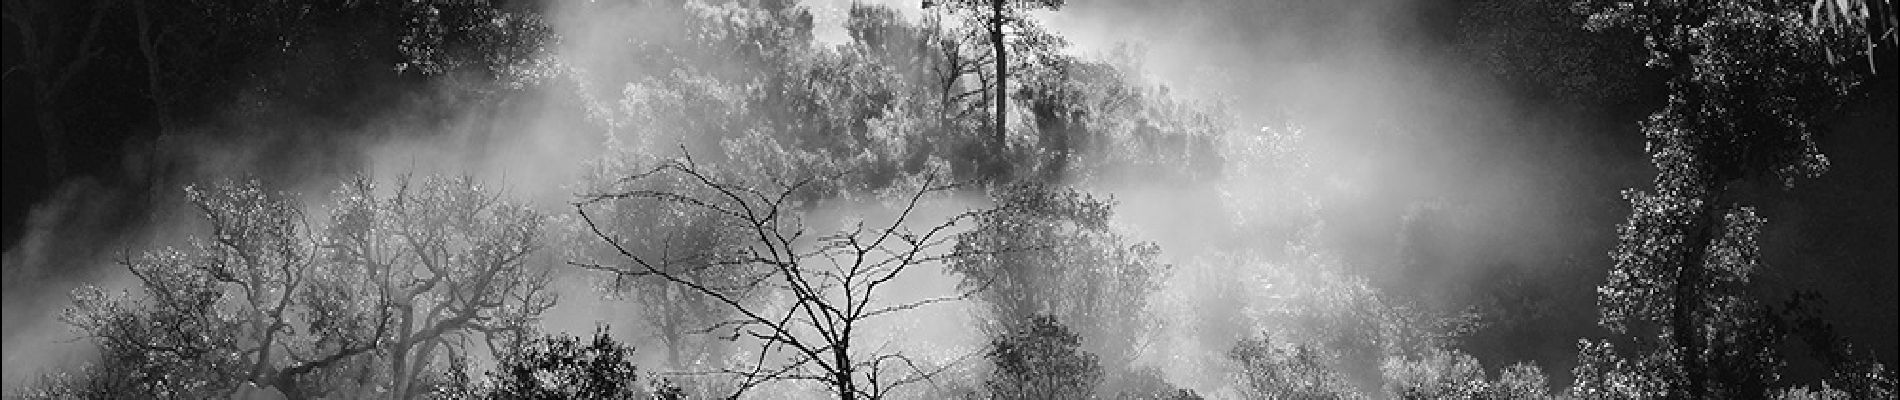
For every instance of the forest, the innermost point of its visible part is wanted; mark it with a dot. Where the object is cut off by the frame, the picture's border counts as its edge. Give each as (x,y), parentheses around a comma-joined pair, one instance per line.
(950,199)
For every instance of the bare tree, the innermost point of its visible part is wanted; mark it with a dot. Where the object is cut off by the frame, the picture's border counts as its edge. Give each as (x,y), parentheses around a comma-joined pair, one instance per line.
(828,286)
(682,237)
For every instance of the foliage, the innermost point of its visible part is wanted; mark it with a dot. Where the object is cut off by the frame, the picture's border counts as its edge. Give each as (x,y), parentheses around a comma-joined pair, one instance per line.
(991,23)
(1748,84)
(1861,378)
(1447,373)
(1276,370)
(501,41)
(898,99)
(364,307)
(1856,379)
(566,367)
(1310,300)
(744,83)
(1436,375)
(1051,252)
(1042,360)
(1851,370)
(1143,383)
(558,367)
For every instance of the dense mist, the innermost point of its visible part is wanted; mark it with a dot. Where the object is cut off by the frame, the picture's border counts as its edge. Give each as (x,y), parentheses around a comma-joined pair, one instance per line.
(1229,199)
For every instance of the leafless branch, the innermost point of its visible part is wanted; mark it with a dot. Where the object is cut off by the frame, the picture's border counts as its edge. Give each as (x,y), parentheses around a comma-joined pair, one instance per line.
(832,282)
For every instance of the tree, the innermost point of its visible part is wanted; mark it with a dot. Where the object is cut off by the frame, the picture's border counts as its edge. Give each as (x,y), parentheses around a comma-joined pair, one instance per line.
(1453,374)
(1748,84)
(1270,370)
(213,319)
(367,304)
(566,367)
(998,20)
(448,261)
(499,40)
(683,240)
(1438,374)
(748,96)
(1042,360)
(826,287)
(1051,252)
(743,82)
(558,367)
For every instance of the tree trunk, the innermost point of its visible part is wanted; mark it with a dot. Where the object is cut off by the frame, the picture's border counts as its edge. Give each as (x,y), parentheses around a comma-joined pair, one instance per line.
(847,390)
(286,385)
(1682,319)
(398,367)
(1002,76)
(399,350)
(1685,325)
(406,383)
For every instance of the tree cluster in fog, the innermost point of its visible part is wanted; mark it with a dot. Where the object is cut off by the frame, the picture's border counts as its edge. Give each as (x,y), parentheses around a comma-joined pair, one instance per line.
(759,198)
(394,286)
